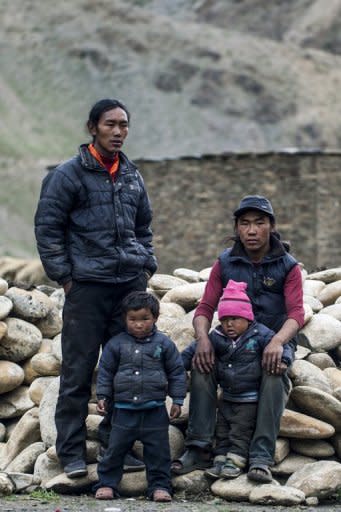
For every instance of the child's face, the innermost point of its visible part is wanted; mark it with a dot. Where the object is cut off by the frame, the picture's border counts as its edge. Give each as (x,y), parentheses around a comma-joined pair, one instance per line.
(140,322)
(234,326)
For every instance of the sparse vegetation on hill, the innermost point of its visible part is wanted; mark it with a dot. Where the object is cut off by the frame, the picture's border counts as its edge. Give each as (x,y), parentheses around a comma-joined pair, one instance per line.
(199,77)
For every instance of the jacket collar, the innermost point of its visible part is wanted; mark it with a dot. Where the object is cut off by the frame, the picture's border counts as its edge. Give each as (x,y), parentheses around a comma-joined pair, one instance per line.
(252,329)
(276,251)
(89,161)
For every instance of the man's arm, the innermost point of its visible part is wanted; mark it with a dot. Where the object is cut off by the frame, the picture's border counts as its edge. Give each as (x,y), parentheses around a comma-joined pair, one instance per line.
(293,293)
(51,219)
(143,229)
(203,359)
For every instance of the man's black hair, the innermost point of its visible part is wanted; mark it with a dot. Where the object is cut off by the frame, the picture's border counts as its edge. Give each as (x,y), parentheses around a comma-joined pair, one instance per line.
(103,106)
(140,300)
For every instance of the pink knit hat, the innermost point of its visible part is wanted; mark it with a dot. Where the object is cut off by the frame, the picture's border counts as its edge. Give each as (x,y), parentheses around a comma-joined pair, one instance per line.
(235,301)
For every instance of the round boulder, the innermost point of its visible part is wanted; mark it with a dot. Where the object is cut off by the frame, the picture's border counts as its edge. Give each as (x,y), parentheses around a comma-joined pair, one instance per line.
(6,306)
(21,341)
(29,304)
(11,376)
(322,333)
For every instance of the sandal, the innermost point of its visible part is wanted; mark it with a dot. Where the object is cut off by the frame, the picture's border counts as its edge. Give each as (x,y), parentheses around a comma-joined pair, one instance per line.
(190,461)
(230,470)
(161,496)
(260,473)
(104,493)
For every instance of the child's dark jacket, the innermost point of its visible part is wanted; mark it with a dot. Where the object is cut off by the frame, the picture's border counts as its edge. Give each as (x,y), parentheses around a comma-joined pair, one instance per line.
(238,364)
(140,370)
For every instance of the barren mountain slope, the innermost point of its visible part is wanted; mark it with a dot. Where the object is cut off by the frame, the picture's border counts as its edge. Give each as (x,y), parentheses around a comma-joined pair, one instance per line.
(193,86)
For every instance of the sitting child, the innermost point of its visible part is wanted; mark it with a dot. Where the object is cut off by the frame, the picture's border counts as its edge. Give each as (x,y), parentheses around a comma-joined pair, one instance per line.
(138,368)
(238,344)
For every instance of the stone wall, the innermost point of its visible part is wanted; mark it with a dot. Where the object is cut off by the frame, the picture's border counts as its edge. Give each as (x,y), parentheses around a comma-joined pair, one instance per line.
(193,200)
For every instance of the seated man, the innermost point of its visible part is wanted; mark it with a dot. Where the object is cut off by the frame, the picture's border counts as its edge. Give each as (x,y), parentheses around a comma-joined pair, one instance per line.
(274,282)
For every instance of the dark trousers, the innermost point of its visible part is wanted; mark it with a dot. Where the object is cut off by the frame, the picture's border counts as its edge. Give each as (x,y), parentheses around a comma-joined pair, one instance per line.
(235,426)
(91,315)
(202,414)
(150,426)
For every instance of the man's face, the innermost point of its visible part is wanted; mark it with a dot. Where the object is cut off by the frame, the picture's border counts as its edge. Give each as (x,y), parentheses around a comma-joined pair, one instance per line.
(110,132)
(253,229)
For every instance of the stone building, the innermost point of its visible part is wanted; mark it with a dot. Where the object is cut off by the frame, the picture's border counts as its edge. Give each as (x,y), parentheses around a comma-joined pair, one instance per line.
(193,198)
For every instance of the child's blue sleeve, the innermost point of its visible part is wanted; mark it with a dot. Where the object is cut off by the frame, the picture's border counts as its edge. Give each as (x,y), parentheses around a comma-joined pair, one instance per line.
(187,355)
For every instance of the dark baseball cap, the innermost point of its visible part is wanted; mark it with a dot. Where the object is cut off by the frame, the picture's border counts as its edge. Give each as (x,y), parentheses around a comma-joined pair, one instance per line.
(259,203)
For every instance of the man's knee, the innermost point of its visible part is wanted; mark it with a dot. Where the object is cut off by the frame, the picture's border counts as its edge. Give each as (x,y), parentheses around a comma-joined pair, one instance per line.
(203,382)
(274,384)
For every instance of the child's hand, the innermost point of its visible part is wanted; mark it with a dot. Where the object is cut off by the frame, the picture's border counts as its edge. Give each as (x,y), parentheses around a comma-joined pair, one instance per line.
(175,411)
(102,407)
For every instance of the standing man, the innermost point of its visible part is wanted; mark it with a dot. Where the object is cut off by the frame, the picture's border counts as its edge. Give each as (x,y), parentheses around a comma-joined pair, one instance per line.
(273,277)
(94,238)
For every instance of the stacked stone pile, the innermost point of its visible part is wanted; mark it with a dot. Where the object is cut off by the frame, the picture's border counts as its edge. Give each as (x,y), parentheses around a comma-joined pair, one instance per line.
(308,451)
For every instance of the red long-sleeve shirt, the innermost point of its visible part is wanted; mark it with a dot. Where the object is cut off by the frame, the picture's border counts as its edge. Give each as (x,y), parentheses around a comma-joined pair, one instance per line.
(292,293)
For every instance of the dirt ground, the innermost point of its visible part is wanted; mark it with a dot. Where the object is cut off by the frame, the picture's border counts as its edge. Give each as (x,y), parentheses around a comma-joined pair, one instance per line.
(85,503)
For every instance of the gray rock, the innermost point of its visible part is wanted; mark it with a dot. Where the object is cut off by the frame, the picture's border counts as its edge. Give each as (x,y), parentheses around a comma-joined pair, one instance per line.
(282,449)
(334,310)
(6,306)
(313,302)
(22,340)
(321,479)
(313,287)
(6,485)
(25,432)
(11,376)
(45,469)
(204,274)
(303,373)
(2,432)
(186,295)
(162,283)
(3,286)
(46,364)
(321,360)
(51,324)
(191,276)
(238,489)
(15,403)
(291,464)
(276,495)
(322,405)
(327,276)
(192,484)
(38,388)
(47,411)
(58,297)
(322,333)
(298,425)
(22,481)
(24,462)
(312,448)
(330,293)
(29,304)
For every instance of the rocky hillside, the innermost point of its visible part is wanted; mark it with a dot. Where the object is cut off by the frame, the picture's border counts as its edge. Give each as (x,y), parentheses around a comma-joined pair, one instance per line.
(199,76)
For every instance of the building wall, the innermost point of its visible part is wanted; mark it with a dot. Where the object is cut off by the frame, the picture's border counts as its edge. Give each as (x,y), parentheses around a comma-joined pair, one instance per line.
(193,200)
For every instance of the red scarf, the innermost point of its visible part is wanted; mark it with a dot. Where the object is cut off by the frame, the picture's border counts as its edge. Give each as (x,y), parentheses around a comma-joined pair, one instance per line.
(110,165)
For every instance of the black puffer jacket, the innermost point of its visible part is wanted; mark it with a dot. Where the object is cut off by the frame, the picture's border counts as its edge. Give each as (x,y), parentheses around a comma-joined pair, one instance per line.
(91,229)
(138,370)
